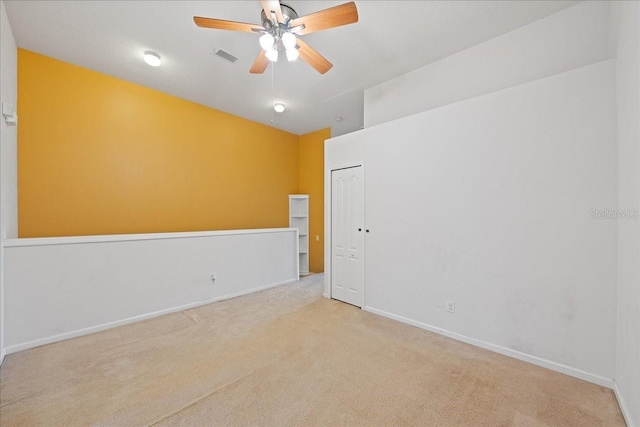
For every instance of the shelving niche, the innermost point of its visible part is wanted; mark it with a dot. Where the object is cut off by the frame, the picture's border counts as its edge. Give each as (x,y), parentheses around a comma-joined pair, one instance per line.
(299,218)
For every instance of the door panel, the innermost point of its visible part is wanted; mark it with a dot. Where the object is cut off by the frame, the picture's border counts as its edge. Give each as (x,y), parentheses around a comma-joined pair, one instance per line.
(347,235)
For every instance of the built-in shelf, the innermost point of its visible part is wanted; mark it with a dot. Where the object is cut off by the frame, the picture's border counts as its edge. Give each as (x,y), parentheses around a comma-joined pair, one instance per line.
(299,218)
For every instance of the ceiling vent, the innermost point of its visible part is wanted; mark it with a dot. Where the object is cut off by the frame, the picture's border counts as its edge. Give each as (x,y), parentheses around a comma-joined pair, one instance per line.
(226,55)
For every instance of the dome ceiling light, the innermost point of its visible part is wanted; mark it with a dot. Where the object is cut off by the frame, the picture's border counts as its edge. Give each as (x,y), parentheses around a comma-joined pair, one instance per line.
(152,58)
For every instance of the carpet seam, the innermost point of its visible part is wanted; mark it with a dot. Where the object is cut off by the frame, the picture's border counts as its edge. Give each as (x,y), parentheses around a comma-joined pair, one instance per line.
(203,397)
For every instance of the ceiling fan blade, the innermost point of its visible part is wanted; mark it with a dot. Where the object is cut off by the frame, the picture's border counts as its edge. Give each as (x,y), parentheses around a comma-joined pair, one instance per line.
(329,18)
(260,64)
(272,6)
(313,58)
(220,24)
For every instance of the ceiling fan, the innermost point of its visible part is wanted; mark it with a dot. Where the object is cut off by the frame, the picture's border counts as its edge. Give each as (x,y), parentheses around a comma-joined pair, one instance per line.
(280,26)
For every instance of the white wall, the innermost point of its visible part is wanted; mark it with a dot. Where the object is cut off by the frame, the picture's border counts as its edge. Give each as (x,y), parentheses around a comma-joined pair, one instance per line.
(487,202)
(572,38)
(626,35)
(65,287)
(8,152)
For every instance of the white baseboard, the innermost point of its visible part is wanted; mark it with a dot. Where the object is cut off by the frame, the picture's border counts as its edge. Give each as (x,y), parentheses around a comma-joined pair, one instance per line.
(3,353)
(327,296)
(554,366)
(98,328)
(623,407)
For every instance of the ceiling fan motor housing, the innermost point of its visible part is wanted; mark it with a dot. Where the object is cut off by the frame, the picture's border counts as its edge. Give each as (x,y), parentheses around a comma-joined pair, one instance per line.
(278,29)
(288,13)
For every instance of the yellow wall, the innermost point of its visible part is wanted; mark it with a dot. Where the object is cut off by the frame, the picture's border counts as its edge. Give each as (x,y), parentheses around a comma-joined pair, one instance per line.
(99,155)
(312,183)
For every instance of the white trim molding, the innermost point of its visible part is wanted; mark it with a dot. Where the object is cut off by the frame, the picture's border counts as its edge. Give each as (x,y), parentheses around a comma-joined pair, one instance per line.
(103,327)
(623,406)
(46,241)
(538,361)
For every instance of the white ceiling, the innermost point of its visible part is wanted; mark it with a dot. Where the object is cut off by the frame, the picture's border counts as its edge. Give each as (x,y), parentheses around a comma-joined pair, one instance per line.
(390,39)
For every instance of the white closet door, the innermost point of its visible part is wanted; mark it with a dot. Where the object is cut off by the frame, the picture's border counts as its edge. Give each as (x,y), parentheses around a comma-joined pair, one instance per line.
(347,235)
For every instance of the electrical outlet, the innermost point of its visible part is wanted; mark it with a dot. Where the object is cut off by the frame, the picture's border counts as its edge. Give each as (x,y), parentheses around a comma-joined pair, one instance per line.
(451,306)
(213,279)
(317,238)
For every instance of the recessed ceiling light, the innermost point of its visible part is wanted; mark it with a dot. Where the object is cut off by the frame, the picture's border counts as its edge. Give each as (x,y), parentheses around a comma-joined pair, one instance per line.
(279,107)
(152,58)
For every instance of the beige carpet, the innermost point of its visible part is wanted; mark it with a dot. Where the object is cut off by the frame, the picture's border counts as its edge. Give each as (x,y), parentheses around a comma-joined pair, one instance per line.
(286,356)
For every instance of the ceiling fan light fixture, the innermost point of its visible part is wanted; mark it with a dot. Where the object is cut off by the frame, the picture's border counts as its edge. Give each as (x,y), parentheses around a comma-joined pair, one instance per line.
(152,58)
(272,55)
(289,41)
(292,54)
(280,29)
(266,41)
(279,107)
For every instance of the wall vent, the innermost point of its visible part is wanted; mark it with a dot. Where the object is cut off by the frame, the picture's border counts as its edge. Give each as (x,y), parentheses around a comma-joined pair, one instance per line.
(226,55)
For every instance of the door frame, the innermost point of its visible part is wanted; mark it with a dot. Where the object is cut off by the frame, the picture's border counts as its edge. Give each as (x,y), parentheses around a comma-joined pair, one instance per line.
(328,187)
